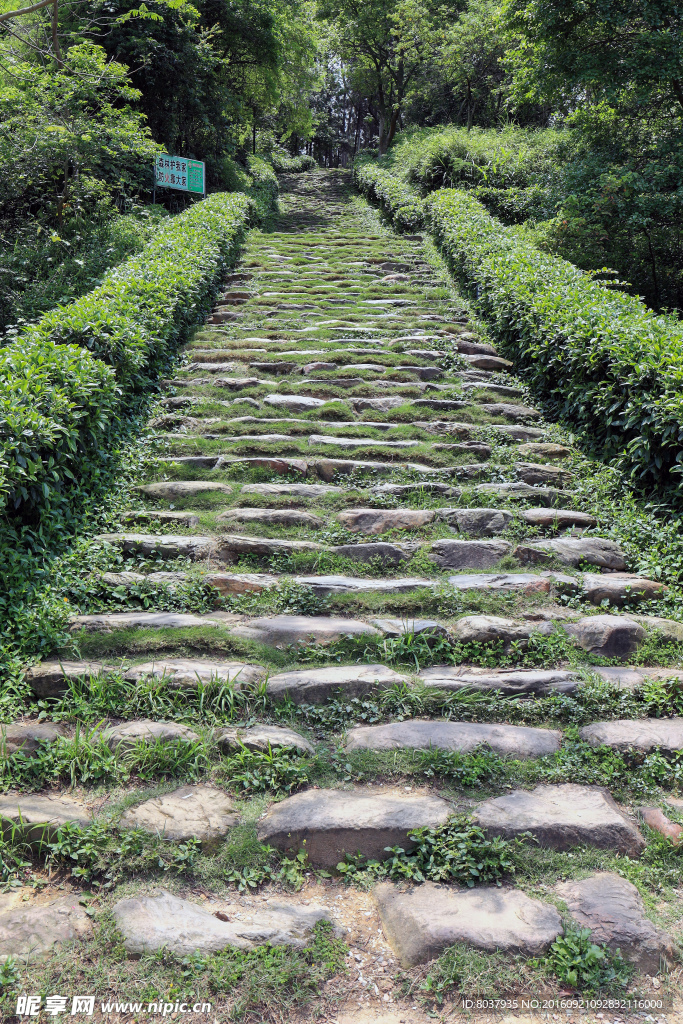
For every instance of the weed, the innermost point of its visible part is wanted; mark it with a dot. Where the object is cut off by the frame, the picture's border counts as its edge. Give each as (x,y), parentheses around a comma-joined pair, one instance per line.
(586,966)
(457,851)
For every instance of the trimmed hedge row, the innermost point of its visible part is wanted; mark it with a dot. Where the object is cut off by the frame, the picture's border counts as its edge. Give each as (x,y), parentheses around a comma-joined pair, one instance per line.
(399,201)
(264,189)
(600,357)
(66,383)
(286,164)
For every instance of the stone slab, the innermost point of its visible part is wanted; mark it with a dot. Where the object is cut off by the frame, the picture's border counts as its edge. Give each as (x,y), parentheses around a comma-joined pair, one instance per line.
(643,734)
(300,630)
(573,551)
(316,685)
(391,554)
(30,931)
(477,522)
(51,678)
(272,517)
(188,673)
(261,738)
(328,823)
(527,583)
(469,554)
(202,812)
(463,737)
(34,818)
(611,636)
(492,628)
(164,921)
(230,547)
(172,489)
(613,910)
(374,521)
(363,585)
(620,588)
(420,923)
(28,737)
(106,622)
(561,817)
(509,682)
(295,490)
(125,737)
(560,518)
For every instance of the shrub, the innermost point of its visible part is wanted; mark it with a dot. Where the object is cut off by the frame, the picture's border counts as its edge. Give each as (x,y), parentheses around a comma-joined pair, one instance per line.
(264,188)
(599,357)
(67,380)
(586,966)
(400,202)
(286,164)
(145,306)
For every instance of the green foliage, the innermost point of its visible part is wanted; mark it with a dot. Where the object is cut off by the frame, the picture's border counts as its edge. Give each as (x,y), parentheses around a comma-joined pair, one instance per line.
(586,966)
(97,853)
(264,188)
(457,851)
(273,973)
(399,201)
(617,371)
(277,771)
(70,140)
(286,164)
(61,400)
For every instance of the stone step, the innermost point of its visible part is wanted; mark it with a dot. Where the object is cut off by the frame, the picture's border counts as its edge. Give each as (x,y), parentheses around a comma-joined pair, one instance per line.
(423,921)
(29,931)
(562,817)
(28,737)
(150,924)
(34,819)
(508,682)
(314,686)
(189,673)
(644,734)
(300,630)
(188,519)
(272,517)
(191,812)
(295,490)
(330,823)
(506,740)
(130,735)
(612,909)
(173,489)
(261,738)
(573,551)
(106,622)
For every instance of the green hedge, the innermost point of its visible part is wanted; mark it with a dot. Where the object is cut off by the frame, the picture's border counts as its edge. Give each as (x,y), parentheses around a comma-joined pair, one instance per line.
(286,164)
(146,304)
(264,189)
(601,358)
(398,200)
(67,381)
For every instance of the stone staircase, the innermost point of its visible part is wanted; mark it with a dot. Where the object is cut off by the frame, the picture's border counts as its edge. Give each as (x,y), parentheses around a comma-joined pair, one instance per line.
(338,426)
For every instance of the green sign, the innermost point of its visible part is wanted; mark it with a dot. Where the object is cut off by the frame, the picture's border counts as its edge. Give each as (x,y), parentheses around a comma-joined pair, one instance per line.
(179,172)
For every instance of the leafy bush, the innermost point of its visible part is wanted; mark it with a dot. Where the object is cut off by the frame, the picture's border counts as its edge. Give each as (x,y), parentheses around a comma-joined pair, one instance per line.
(599,357)
(585,965)
(397,200)
(457,851)
(65,382)
(263,189)
(286,164)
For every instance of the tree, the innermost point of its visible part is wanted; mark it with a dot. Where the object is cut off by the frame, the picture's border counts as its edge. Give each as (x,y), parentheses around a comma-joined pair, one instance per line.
(599,49)
(385,43)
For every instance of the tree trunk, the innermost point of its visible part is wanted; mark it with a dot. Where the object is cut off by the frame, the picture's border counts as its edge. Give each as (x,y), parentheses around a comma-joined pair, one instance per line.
(253,135)
(393,124)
